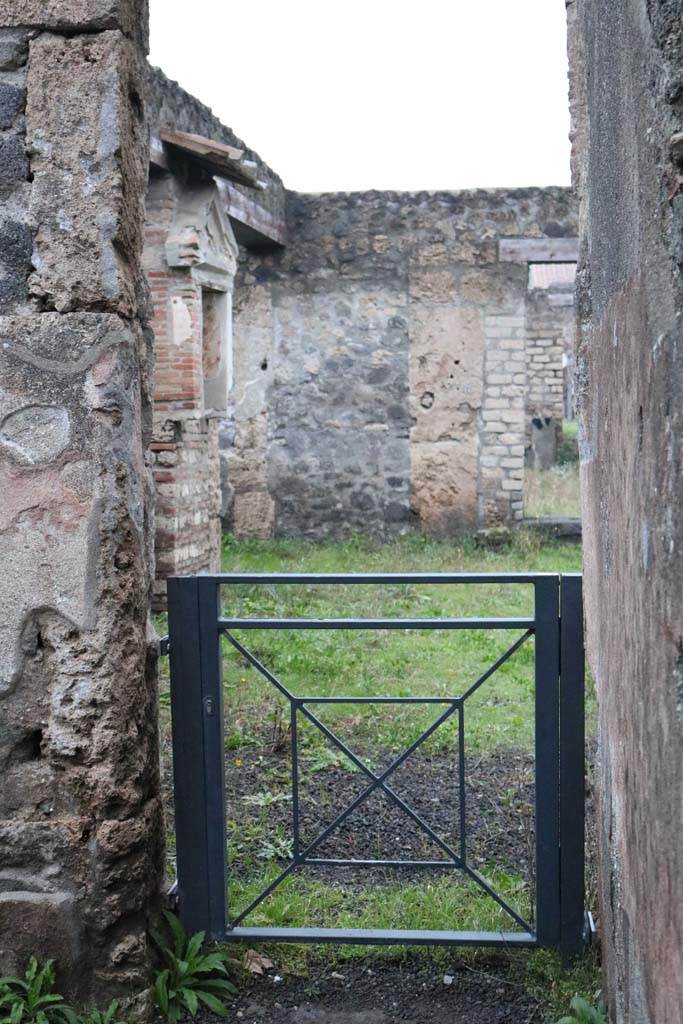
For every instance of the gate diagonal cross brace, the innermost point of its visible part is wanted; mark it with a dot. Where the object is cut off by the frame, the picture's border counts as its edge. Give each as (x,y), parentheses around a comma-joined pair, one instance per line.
(376,781)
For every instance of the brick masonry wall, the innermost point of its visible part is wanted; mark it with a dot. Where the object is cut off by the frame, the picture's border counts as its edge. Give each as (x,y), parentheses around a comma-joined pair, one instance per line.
(80,818)
(626,58)
(188,499)
(380,364)
(184,449)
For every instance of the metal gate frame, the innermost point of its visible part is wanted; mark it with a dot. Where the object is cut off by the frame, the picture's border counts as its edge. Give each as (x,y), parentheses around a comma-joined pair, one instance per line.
(195,628)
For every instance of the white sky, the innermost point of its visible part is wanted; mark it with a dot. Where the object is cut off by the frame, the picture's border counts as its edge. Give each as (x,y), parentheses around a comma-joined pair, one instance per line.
(383,94)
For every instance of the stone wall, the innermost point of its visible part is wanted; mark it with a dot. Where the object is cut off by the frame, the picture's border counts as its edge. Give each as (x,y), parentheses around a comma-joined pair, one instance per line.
(626,58)
(80,829)
(380,366)
(549,338)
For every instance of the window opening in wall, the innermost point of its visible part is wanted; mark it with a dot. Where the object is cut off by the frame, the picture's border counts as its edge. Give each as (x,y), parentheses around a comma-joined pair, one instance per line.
(217,358)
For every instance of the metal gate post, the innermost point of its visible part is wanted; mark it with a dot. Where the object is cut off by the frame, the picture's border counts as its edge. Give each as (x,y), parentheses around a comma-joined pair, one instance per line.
(572,765)
(198,752)
(547,773)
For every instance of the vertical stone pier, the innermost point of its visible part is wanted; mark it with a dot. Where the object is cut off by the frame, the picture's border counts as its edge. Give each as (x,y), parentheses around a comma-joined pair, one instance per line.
(625,59)
(80,820)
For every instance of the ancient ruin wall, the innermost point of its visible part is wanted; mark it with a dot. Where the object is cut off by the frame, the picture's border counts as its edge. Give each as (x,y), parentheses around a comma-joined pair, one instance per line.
(80,828)
(626,58)
(184,443)
(168,106)
(190,251)
(380,364)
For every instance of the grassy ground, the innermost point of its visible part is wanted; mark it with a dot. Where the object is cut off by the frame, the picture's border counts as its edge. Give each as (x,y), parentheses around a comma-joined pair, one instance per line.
(552,492)
(499,723)
(555,491)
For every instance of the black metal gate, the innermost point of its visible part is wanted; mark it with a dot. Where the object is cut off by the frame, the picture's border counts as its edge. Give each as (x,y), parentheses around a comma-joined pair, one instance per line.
(195,628)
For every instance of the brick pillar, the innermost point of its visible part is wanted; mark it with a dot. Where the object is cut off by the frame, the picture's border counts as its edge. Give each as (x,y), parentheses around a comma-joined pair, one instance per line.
(80,821)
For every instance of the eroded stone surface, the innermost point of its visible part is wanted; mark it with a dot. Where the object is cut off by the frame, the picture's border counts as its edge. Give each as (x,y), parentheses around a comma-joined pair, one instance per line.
(77,742)
(35,433)
(87,195)
(81,15)
(35,919)
(13,48)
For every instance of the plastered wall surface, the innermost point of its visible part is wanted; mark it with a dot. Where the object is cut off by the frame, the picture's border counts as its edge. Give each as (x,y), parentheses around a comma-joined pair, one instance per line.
(626,59)
(80,820)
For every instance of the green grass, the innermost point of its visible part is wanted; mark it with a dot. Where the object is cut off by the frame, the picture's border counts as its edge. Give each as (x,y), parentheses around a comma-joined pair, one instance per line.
(552,492)
(435,903)
(396,663)
(556,491)
(359,663)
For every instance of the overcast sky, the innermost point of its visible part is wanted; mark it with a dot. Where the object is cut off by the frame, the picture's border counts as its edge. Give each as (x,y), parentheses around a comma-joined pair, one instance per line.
(383,94)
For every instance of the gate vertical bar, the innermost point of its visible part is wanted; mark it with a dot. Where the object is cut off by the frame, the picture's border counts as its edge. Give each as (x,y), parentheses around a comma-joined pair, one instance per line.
(197,716)
(572,765)
(547,774)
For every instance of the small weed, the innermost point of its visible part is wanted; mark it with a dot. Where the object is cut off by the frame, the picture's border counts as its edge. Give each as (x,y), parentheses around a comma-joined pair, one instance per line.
(320,758)
(192,977)
(266,799)
(32,999)
(555,986)
(584,1013)
(108,1016)
(277,848)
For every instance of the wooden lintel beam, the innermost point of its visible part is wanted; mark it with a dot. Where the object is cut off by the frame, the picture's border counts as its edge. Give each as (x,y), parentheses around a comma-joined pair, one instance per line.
(264,227)
(538,250)
(216,157)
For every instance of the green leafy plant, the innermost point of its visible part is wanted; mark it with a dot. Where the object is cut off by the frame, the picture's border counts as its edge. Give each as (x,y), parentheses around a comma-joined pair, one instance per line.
(266,799)
(277,848)
(584,1013)
(31,999)
(191,977)
(108,1016)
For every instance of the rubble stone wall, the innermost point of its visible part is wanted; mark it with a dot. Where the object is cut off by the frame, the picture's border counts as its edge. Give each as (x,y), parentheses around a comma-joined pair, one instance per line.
(380,364)
(80,818)
(626,58)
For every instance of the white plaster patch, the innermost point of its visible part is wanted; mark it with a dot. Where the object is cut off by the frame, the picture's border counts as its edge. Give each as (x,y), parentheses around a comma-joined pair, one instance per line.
(181,322)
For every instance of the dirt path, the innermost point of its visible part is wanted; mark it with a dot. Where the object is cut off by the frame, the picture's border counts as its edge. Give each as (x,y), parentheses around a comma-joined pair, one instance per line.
(382,991)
